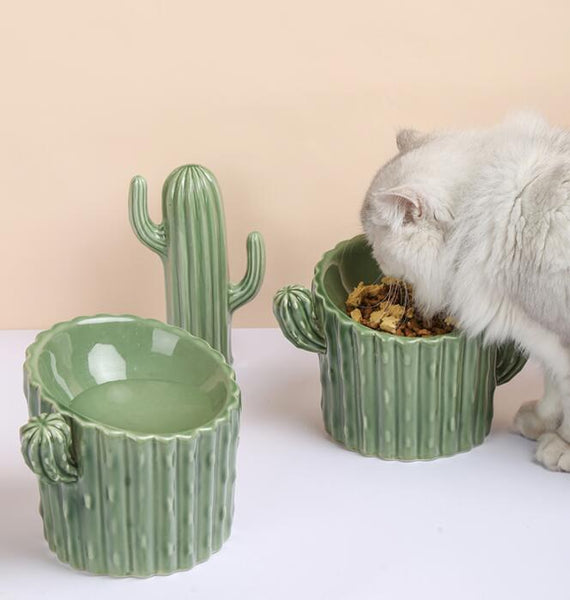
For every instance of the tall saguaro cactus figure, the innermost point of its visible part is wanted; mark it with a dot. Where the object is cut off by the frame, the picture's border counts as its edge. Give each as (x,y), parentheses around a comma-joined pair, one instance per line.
(191,241)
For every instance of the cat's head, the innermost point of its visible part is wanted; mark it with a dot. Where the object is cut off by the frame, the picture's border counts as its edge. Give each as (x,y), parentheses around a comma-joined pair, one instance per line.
(407,213)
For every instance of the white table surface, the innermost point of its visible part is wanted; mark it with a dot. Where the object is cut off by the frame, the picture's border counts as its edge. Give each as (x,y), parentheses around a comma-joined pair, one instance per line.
(316,521)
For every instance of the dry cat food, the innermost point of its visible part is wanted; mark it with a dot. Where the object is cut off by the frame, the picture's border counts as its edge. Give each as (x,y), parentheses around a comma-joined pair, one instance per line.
(389,306)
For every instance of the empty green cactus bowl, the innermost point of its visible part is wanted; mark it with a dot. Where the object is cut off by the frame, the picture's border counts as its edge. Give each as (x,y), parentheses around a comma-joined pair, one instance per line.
(384,395)
(133,432)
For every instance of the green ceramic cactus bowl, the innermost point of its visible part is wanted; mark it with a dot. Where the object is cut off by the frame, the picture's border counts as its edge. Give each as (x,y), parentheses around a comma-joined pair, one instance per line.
(133,432)
(384,395)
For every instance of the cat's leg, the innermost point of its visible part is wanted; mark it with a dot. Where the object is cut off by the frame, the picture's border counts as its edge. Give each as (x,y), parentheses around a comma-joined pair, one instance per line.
(553,451)
(540,416)
(553,448)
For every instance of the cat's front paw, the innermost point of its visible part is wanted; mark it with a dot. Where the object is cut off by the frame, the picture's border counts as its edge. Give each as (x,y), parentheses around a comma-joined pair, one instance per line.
(530,424)
(553,452)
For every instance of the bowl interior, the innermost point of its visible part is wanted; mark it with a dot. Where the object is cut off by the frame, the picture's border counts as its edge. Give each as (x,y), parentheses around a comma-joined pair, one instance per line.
(133,374)
(343,268)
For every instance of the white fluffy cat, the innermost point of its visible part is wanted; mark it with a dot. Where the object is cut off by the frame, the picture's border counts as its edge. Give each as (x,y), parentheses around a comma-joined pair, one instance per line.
(479,222)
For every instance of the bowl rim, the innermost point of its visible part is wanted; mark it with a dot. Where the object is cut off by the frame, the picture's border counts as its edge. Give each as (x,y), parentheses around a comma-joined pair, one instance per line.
(34,381)
(329,306)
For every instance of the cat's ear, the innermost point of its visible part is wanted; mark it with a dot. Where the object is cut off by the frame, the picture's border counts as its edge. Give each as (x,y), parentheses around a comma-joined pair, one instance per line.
(398,206)
(408,139)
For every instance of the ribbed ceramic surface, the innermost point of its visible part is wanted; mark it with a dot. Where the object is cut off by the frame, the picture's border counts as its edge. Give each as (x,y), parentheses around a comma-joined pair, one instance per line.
(141,505)
(191,240)
(405,401)
(118,502)
(385,395)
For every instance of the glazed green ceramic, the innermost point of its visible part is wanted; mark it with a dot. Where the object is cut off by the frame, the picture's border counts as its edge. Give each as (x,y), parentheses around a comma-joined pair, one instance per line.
(384,395)
(133,435)
(191,241)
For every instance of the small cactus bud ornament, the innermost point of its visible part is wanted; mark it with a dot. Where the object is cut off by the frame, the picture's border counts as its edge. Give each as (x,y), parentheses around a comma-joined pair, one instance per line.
(46,447)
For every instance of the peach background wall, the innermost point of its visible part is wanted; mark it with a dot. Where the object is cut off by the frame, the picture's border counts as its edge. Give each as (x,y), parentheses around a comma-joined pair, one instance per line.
(293,105)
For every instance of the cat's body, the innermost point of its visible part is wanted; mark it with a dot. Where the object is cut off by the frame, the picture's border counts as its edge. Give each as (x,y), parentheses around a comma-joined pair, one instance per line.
(479,223)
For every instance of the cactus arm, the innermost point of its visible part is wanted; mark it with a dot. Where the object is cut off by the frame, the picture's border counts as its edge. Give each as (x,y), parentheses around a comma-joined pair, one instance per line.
(247,288)
(293,309)
(46,448)
(151,235)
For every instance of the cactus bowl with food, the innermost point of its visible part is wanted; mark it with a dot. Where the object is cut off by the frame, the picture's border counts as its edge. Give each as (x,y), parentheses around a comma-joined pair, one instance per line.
(392,386)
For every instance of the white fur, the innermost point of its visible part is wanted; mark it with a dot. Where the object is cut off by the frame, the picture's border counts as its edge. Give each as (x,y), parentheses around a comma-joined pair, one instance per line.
(479,222)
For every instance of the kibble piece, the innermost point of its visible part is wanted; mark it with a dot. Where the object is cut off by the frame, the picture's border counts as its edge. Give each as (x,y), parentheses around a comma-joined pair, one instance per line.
(376,317)
(356,315)
(391,281)
(355,297)
(397,311)
(389,323)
